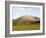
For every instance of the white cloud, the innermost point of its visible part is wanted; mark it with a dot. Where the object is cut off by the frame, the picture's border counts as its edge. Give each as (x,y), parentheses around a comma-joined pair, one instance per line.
(18,8)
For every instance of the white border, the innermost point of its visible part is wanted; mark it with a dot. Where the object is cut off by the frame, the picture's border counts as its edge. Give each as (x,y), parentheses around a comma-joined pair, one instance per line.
(30,31)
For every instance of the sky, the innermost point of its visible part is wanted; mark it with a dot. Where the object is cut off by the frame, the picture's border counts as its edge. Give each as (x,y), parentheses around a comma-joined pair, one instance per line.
(22,11)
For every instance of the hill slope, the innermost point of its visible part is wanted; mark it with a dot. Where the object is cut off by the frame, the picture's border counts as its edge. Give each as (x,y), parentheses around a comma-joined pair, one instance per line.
(26,23)
(26,20)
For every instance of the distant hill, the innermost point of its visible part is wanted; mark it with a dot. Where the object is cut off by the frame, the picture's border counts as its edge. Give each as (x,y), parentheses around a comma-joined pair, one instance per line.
(26,20)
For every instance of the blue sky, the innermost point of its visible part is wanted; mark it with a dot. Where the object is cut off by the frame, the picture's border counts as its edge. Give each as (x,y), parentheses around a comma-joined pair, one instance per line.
(21,11)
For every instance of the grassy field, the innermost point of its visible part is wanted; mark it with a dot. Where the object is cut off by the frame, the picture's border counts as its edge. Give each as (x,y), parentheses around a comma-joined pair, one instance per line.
(26,27)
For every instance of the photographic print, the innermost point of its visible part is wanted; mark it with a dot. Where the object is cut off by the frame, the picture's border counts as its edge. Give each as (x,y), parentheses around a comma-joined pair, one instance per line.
(24,18)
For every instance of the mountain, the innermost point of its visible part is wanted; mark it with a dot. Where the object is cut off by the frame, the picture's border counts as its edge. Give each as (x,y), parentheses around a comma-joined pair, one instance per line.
(26,20)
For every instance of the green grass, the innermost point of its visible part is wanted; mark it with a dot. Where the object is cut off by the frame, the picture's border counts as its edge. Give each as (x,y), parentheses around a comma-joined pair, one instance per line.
(26,27)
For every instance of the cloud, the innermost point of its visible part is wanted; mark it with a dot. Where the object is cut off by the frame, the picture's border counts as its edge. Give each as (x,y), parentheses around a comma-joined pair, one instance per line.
(19,9)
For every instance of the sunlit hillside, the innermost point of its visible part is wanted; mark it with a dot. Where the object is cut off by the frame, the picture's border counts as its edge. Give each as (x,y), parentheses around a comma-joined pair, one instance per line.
(26,23)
